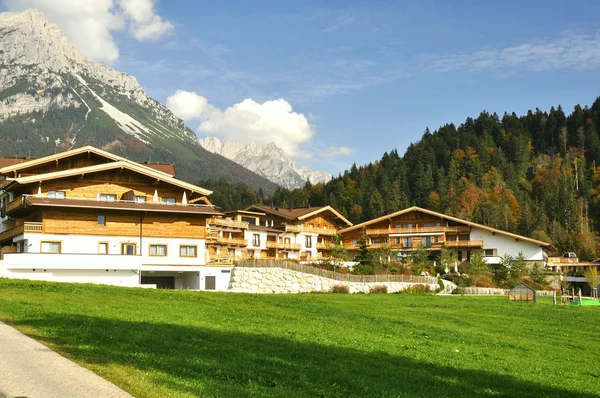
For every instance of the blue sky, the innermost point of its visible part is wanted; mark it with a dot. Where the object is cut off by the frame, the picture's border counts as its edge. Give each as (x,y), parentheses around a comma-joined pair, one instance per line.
(365,76)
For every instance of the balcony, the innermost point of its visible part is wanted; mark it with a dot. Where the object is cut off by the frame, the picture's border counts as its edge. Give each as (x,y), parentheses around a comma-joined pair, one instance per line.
(417,230)
(315,230)
(27,227)
(223,222)
(464,244)
(283,245)
(231,241)
(15,204)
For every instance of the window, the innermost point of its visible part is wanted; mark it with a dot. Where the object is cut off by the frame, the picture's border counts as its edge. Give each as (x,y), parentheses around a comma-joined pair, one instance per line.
(398,226)
(139,199)
(428,225)
(128,249)
(107,197)
(249,220)
(225,271)
(354,241)
(308,242)
(187,251)
(397,239)
(451,238)
(463,237)
(460,256)
(407,225)
(489,252)
(56,194)
(255,240)
(436,238)
(427,241)
(158,250)
(51,247)
(168,201)
(102,220)
(407,242)
(102,248)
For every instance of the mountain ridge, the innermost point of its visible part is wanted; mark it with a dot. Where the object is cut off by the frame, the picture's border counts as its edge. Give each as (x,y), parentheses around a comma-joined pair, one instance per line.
(53,98)
(267,160)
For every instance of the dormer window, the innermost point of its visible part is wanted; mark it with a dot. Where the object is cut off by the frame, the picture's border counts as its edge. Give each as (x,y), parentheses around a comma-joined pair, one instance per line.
(56,194)
(107,197)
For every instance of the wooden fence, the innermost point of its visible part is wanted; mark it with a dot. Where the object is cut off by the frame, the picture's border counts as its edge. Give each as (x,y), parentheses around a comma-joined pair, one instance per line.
(335,275)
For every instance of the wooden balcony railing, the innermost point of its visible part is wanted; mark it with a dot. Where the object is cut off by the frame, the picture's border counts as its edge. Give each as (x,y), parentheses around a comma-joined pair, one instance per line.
(396,246)
(283,245)
(306,228)
(416,230)
(27,227)
(223,222)
(232,241)
(464,243)
(15,204)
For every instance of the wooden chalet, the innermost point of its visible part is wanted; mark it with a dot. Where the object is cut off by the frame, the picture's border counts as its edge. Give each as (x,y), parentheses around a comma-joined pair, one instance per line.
(87,215)
(269,232)
(406,230)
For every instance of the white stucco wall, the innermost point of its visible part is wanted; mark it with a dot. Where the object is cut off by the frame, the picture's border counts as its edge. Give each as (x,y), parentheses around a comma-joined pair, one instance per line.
(507,245)
(86,244)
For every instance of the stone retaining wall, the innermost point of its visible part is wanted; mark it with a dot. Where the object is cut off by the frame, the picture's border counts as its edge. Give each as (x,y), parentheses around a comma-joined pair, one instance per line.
(281,280)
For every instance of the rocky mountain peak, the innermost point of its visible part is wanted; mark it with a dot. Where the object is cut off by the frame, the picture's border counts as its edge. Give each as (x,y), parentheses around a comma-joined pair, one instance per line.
(267,160)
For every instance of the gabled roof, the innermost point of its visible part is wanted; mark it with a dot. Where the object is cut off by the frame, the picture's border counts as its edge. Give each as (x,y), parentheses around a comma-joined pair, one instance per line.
(121,164)
(167,168)
(5,162)
(15,166)
(447,217)
(299,213)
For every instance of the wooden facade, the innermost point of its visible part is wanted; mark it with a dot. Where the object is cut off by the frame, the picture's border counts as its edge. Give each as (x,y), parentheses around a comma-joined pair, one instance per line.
(61,195)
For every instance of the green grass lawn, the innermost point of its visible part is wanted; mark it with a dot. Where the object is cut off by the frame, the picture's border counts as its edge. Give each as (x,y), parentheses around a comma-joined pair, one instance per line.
(185,344)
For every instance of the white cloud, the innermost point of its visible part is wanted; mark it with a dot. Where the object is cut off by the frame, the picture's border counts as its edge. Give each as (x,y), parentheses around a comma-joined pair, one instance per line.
(247,121)
(569,50)
(188,105)
(335,151)
(145,24)
(88,23)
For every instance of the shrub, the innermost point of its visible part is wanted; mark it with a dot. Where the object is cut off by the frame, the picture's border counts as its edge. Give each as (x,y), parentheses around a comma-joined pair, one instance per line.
(417,289)
(459,290)
(486,282)
(378,289)
(363,270)
(441,283)
(340,289)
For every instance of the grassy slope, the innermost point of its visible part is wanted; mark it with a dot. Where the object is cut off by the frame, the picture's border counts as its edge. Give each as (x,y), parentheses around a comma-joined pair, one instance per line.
(165,343)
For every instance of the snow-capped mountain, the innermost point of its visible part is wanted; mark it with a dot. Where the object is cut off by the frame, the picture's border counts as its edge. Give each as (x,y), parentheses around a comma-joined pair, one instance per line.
(52,98)
(267,160)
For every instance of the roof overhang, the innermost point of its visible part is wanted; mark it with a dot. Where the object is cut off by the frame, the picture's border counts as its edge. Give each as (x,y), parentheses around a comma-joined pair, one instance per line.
(450,218)
(121,164)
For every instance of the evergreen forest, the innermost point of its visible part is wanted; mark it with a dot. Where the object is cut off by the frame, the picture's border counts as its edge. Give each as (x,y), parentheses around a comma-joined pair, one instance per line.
(537,175)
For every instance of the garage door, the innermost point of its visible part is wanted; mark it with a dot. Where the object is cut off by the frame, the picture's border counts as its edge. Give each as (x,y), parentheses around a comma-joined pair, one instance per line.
(161,282)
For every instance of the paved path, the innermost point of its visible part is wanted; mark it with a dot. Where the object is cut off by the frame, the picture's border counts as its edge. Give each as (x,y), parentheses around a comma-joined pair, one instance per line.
(30,369)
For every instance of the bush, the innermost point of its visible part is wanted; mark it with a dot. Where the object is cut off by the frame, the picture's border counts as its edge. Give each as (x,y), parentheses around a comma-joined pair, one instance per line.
(459,290)
(416,289)
(378,289)
(340,289)
(486,282)
(441,283)
(363,270)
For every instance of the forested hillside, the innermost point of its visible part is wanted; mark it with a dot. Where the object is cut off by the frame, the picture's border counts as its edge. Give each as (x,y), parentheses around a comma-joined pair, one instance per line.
(537,175)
